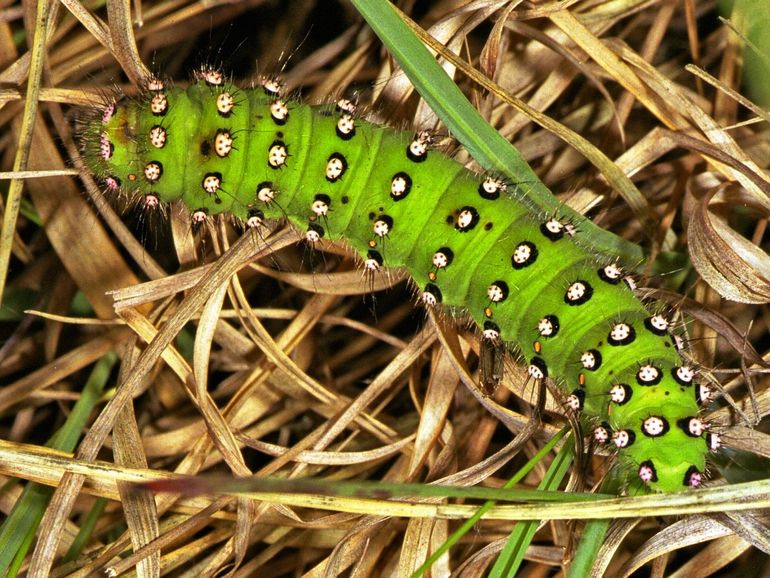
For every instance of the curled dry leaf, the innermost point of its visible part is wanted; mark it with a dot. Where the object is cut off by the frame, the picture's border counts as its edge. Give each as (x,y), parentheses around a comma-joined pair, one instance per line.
(735,267)
(686,532)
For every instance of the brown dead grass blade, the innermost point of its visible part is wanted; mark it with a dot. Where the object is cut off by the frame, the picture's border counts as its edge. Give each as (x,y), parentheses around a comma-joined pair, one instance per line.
(259,356)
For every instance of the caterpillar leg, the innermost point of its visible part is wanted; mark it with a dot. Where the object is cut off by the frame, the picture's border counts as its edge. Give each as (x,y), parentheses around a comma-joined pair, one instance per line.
(491,359)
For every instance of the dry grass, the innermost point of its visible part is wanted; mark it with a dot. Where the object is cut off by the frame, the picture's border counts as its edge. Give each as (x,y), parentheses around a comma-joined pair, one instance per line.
(294,369)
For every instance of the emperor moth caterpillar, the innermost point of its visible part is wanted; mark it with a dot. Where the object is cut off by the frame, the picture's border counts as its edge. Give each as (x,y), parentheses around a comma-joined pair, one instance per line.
(471,242)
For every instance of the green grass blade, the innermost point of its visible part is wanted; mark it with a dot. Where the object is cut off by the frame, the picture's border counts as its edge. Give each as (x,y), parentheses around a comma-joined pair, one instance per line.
(19,529)
(590,543)
(512,555)
(86,530)
(482,141)
(468,525)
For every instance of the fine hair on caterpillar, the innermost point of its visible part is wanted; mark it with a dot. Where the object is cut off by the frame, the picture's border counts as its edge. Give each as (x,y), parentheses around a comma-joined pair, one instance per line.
(472,243)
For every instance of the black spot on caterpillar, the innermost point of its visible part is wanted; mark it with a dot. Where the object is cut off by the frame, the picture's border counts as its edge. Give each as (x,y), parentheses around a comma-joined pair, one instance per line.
(466,239)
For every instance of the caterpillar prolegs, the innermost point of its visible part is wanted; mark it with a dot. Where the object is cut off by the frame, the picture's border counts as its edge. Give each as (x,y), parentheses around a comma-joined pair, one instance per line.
(471,242)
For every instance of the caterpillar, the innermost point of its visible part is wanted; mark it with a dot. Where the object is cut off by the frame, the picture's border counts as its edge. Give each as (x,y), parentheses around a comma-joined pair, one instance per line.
(471,242)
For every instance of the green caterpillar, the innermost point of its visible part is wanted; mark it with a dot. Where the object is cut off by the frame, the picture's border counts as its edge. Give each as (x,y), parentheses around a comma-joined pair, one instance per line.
(471,243)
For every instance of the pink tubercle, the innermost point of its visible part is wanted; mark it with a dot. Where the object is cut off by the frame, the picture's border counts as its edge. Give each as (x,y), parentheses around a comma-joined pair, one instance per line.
(210,75)
(151,201)
(199,216)
(646,474)
(108,112)
(105,147)
(111,183)
(155,84)
(271,85)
